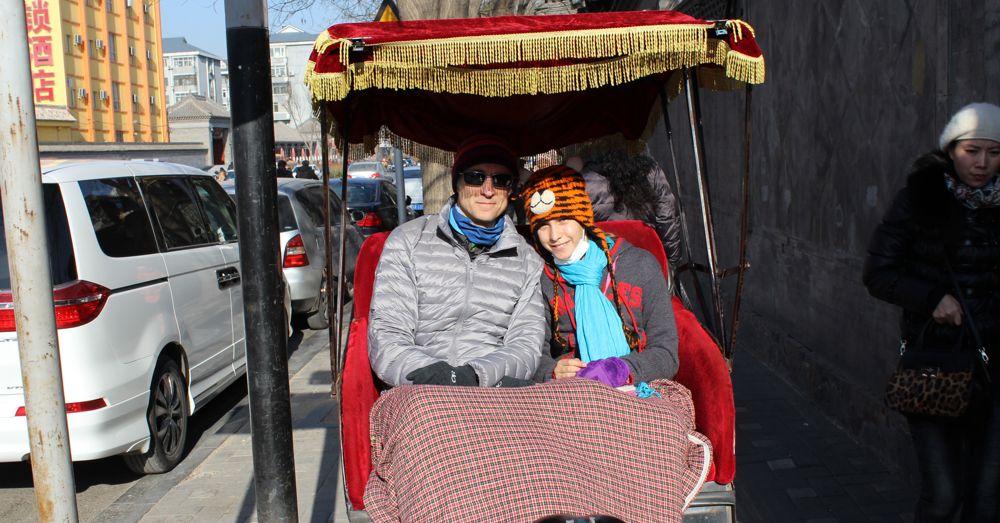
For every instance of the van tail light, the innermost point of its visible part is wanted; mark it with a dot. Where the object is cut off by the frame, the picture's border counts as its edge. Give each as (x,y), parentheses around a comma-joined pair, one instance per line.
(370,220)
(376,175)
(295,253)
(76,303)
(80,406)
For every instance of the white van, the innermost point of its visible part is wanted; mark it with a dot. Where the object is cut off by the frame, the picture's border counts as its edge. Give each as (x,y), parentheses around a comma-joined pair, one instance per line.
(149,309)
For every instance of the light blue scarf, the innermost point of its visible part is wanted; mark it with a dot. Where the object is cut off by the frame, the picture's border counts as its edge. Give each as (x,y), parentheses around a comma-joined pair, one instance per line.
(482,236)
(598,327)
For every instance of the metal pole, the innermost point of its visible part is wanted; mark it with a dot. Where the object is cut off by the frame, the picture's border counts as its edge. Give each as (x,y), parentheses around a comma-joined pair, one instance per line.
(397,159)
(694,115)
(340,352)
(31,282)
(744,223)
(266,338)
(331,313)
(685,232)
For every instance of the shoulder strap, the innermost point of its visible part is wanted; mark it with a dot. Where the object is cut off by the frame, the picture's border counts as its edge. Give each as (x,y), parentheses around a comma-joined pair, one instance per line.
(968,316)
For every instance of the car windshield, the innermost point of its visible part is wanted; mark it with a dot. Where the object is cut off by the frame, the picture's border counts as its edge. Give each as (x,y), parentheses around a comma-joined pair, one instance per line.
(357,194)
(62,263)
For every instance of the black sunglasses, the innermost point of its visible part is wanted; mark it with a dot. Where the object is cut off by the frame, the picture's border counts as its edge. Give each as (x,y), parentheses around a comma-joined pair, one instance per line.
(477,178)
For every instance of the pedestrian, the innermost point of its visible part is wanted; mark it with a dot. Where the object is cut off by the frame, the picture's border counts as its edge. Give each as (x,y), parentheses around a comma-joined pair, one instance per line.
(220,175)
(608,302)
(626,186)
(305,171)
(935,255)
(456,299)
(282,171)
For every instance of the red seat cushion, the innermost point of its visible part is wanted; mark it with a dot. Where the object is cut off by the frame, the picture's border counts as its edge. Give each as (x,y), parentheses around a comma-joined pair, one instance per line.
(703,370)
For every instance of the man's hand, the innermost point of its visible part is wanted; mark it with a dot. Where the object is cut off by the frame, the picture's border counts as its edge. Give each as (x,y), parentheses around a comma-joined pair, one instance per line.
(440,373)
(567,368)
(948,311)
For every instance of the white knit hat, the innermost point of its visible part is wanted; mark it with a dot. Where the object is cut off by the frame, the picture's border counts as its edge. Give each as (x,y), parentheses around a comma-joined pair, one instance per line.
(979,121)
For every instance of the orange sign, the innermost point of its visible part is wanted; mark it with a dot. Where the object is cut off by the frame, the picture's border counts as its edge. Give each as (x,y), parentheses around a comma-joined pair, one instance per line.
(48,83)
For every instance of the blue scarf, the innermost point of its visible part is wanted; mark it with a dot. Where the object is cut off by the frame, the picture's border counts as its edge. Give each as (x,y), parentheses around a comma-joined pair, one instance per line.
(598,327)
(483,236)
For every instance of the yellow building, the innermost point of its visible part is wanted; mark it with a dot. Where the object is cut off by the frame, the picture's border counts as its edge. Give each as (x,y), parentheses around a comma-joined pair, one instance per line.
(96,71)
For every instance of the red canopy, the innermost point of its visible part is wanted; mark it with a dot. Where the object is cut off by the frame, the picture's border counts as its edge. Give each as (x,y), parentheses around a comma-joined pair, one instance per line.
(539,82)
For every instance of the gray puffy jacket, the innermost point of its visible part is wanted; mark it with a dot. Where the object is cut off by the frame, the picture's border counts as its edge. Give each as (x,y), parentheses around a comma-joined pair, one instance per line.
(432,302)
(665,219)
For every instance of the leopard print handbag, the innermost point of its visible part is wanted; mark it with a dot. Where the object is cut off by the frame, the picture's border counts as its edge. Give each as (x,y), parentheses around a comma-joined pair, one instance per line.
(941,384)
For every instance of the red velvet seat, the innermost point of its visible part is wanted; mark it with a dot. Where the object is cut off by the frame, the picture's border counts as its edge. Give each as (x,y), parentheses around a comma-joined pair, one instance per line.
(703,370)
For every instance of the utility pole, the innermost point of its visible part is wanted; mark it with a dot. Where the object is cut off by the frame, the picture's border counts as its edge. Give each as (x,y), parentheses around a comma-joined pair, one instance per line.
(256,194)
(31,282)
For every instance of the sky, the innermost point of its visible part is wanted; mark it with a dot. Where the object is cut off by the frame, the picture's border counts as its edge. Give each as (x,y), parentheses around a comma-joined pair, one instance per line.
(203,22)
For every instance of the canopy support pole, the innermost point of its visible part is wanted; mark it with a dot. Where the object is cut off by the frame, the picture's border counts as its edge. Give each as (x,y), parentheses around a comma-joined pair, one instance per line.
(340,351)
(331,311)
(697,142)
(744,264)
(685,232)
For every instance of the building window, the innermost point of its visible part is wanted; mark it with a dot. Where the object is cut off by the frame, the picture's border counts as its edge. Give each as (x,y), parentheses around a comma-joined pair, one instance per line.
(277,51)
(276,107)
(184,61)
(187,80)
(119,135)
(279,89)
(279,71)
(112,47)
(116,99)
(70,93)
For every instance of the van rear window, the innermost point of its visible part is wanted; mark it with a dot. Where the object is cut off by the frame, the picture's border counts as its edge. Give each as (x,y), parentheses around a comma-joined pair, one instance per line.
(119,217)
(62,263)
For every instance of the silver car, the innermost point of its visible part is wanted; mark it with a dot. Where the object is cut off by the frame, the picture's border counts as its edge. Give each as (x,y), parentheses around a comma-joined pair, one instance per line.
(300,238)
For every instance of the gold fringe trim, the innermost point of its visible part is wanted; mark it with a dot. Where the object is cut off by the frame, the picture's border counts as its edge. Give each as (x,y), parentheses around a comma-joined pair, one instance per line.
(536,47)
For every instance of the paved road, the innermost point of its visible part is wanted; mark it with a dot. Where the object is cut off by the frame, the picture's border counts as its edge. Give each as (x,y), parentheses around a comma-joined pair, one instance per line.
(100,483)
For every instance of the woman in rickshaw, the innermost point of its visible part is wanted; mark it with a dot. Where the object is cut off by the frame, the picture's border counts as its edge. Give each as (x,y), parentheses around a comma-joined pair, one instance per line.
(633,339)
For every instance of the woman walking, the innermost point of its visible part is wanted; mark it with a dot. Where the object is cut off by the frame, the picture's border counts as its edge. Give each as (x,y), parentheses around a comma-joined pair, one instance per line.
(936,255)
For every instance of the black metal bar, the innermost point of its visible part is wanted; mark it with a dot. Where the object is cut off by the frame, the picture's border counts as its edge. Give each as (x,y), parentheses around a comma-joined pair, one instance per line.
(685,232)
(331,313)
(744,264)
(697,142)
(341,265)
(266,336)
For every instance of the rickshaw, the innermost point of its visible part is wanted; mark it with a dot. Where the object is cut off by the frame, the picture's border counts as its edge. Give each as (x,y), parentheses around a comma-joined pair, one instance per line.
(540,83)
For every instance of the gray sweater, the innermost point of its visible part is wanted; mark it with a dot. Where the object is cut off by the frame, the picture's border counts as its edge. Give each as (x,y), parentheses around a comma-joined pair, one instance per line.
(643,290)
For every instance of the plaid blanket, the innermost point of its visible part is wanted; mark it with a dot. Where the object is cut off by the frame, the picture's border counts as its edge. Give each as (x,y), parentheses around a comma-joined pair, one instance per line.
(571,446)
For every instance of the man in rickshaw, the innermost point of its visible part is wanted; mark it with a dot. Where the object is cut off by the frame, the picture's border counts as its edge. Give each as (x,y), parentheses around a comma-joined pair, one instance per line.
(456,299)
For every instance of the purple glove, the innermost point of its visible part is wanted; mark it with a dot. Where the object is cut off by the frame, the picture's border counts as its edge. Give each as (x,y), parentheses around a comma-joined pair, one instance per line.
(613,372)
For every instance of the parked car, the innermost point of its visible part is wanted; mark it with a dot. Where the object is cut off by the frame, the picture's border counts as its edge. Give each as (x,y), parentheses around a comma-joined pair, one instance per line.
(413,182)
(145,264)
(372,202)
(300,238)
(367,170)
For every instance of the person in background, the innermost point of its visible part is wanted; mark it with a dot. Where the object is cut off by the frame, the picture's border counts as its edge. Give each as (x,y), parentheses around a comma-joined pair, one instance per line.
(282,171)
(220,175)
(456,299)
(608,301)
(633,187)
(948,215)
(305,171)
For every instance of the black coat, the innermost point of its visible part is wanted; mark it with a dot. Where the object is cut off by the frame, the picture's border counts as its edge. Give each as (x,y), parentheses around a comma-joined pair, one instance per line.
(924,231)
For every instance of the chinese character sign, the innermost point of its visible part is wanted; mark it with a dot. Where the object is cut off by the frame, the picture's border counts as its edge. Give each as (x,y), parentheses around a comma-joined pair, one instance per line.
(45,48)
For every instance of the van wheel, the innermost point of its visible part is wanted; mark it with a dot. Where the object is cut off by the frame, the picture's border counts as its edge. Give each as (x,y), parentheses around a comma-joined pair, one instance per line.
(320,319)
(168,423)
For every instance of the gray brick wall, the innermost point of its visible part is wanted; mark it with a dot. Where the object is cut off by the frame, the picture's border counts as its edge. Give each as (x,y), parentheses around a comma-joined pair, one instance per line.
(855,91)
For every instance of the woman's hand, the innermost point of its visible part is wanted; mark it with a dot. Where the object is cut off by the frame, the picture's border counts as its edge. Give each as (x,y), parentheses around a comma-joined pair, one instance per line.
(568,367)
(948,311)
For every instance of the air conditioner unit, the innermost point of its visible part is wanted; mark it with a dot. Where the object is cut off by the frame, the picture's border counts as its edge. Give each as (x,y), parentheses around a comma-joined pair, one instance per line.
(135,98)
(145,7)
(128,3)
(149,54)
(131,50)
(78,39)
(82,94)
(100,43)
(103,95)
(152,100)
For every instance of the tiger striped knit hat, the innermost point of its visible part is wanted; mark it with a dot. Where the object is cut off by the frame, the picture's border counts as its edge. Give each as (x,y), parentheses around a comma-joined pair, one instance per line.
(555,193)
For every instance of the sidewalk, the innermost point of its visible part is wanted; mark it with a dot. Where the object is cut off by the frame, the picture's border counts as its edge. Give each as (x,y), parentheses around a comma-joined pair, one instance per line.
(793,465)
